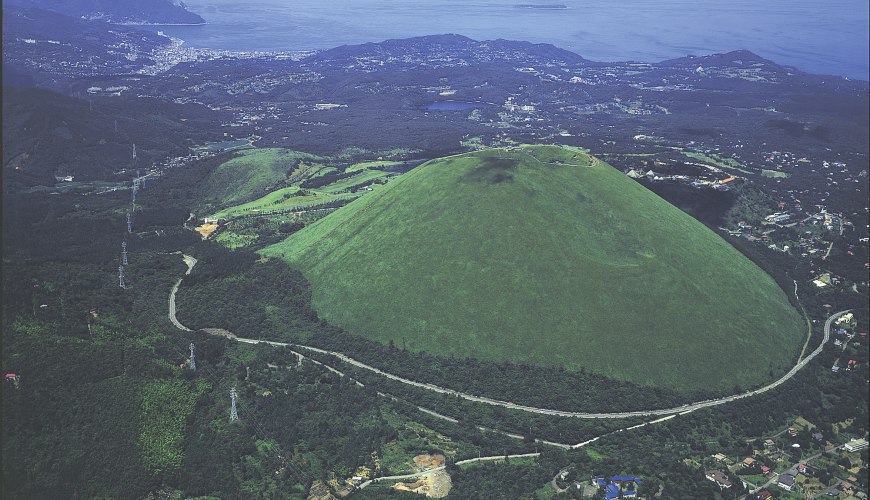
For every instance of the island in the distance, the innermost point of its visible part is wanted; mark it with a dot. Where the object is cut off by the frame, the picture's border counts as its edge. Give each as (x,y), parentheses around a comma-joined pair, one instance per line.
(545,6)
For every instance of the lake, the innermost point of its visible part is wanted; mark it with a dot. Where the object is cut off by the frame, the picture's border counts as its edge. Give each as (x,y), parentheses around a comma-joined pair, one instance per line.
(828,37)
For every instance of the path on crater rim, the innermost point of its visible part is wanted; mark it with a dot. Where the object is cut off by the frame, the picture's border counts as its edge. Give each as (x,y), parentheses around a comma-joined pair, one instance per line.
(687,408)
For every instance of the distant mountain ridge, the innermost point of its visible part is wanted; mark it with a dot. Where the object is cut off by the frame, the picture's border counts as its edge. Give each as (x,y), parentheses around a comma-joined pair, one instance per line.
(120,11)
(448,50)
(735,58)
(451,50)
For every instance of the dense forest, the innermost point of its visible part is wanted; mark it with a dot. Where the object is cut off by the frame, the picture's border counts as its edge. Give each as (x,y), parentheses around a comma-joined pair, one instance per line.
(46,134)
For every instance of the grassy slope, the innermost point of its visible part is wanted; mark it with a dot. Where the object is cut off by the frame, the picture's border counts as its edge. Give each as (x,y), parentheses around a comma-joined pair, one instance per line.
(248,175)
(561,265)
(359,178)
(275,200)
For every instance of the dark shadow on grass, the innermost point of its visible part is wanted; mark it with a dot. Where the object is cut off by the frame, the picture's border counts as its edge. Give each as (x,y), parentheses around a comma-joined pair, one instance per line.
(491,171)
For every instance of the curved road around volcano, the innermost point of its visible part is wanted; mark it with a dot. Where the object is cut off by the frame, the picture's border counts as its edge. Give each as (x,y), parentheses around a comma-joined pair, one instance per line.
(666,412)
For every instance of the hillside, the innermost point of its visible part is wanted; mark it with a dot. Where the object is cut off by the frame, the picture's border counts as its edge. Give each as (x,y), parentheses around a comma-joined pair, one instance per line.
(120,11)
(47,134)
(547,256)
(247,176)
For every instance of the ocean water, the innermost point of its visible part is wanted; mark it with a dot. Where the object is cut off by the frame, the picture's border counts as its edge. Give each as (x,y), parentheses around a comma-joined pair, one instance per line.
(817,36)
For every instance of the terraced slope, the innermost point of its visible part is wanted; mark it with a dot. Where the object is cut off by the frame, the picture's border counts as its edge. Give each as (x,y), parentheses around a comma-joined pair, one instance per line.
(544,255)
(248,176)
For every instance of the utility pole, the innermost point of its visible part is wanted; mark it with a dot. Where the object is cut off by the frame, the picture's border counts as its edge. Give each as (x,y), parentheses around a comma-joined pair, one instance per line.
(123,253)
(192,357)
(129,223)
(234,414)
(121,277)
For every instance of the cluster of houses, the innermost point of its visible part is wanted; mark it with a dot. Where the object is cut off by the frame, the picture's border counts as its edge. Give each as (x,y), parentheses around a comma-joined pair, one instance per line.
(795,477)
(709,181)
(845,334)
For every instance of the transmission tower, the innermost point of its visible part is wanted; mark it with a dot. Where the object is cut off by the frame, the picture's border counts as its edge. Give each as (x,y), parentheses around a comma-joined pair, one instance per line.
(234,414)
(123,253)
(192,357)
(121,277)
(129,222)
(134,151)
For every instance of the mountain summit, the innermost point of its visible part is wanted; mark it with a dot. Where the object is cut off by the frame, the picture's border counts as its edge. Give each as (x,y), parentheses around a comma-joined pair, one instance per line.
(544,255)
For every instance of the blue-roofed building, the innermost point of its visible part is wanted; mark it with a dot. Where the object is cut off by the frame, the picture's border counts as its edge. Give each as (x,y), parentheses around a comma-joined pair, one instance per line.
(620,479)
(611,490)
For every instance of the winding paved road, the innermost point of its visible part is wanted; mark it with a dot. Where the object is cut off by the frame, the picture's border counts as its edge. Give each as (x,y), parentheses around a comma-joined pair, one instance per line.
(190,261)
(684,409)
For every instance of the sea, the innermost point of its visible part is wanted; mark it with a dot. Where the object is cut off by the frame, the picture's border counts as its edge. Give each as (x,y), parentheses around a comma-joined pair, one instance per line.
(817,36)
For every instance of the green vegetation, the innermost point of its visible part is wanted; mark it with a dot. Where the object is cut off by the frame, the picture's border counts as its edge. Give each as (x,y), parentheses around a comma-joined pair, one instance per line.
(102,410)
(223,146)
(415,439)
(248,175)
(545,492)
(751,206)
(166,406)
(234,240)
(776,174)
(302,190)
(292,198)
(273,203)
(718,161)
(544,255)
(363,177)
(372,164)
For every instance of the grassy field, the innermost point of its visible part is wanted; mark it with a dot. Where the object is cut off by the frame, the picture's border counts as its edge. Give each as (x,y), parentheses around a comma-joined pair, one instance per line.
(773,173)
(354,180)
(248,176)
(287,199)
(546,256)
(718,161)
(278,203)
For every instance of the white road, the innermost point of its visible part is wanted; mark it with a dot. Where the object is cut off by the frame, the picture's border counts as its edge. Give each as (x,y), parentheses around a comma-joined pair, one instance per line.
(684,409)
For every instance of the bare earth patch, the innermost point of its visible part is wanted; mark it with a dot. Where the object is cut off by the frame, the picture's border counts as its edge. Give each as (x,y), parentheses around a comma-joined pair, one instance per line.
(427,461)
(433,485)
